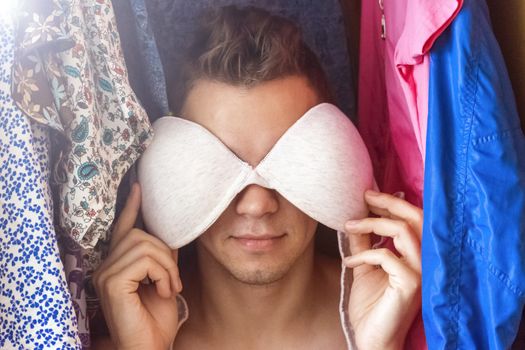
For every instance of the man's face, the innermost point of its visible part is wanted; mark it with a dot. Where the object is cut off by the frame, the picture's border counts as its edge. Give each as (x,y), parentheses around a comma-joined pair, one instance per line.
(260,236)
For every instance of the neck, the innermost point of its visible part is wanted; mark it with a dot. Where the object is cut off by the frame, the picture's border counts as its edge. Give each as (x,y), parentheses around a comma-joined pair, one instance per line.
(230,306)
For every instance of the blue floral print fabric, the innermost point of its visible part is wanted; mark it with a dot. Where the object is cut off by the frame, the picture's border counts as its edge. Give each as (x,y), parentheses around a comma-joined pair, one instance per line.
(35,306)
(69,75)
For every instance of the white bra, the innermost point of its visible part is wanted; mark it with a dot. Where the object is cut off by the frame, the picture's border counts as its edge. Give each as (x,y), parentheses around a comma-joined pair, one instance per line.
(189,177)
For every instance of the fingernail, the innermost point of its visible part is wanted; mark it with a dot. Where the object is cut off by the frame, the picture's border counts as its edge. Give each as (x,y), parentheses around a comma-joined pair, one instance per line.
(350,224)
(399,194)
(348,261)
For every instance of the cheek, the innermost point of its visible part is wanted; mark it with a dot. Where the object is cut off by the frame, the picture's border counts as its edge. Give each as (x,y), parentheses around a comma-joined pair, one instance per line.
(299,224)
(211,237)
(219,231)
(310,226)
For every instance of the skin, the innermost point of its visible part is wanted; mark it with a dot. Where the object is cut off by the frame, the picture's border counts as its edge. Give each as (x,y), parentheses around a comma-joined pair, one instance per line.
(258,282)
(258,257)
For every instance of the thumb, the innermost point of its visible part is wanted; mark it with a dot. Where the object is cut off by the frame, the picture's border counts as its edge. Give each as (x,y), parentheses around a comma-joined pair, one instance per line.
(177,282)
(175,255)
(359,243)
(128,216)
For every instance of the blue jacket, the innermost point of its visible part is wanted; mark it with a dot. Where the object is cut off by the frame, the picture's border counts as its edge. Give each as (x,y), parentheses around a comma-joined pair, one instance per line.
(474,195)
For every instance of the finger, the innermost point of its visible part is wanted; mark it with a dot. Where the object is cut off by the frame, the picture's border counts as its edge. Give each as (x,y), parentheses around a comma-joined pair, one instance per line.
(400,275)
(396,208)
(405,240)
(358,244)
(175,257)
(128,279)
(384,212)
(133,238)
(381,212)
(163,257)
(128,216)
(147,249)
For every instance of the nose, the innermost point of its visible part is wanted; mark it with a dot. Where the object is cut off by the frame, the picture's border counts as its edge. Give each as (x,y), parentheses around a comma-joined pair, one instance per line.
(256,201)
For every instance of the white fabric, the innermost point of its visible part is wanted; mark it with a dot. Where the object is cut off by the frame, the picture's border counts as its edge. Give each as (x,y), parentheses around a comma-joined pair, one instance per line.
(189,177)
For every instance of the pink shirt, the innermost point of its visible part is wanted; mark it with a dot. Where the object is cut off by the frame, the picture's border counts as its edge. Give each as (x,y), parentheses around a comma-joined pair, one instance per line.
(393,94)
(393,86)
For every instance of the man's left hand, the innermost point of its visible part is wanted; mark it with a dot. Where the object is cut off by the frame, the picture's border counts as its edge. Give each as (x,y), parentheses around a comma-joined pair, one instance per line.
(386,290)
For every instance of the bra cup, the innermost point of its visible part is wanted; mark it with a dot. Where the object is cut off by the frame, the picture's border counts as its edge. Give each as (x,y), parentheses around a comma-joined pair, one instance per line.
(330,150)
(182,193)
(189,177)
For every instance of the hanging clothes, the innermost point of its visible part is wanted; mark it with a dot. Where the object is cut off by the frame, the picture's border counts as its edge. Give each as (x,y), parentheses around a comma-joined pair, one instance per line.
(396,37)
(35,305)
(321,22)
(70,75)
(474,229)
(92,102)
(146,74)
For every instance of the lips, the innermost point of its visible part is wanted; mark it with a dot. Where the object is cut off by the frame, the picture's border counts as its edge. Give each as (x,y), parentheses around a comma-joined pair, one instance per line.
(258,236)
(258,242)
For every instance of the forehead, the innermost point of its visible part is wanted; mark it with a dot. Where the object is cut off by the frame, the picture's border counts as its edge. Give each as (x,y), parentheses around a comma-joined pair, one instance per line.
(249,120)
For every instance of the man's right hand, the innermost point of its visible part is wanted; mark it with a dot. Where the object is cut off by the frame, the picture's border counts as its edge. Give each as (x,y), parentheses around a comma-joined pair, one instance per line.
(138,315)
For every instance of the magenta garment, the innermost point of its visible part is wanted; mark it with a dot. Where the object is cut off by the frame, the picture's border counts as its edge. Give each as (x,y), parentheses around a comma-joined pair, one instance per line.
(393,95)
(393,87)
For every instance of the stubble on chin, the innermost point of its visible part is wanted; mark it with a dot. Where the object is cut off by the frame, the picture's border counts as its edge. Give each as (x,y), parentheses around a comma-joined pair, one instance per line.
(259,277)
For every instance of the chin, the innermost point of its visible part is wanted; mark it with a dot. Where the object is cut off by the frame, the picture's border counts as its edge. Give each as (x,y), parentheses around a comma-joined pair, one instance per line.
(256,265)
(258,268)
(260,276)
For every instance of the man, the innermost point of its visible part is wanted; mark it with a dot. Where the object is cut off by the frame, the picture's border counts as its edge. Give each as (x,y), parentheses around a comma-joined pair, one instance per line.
(257,281)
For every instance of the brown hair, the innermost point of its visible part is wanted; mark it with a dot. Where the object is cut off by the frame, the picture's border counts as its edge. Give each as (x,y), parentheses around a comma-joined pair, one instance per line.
(245,47)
